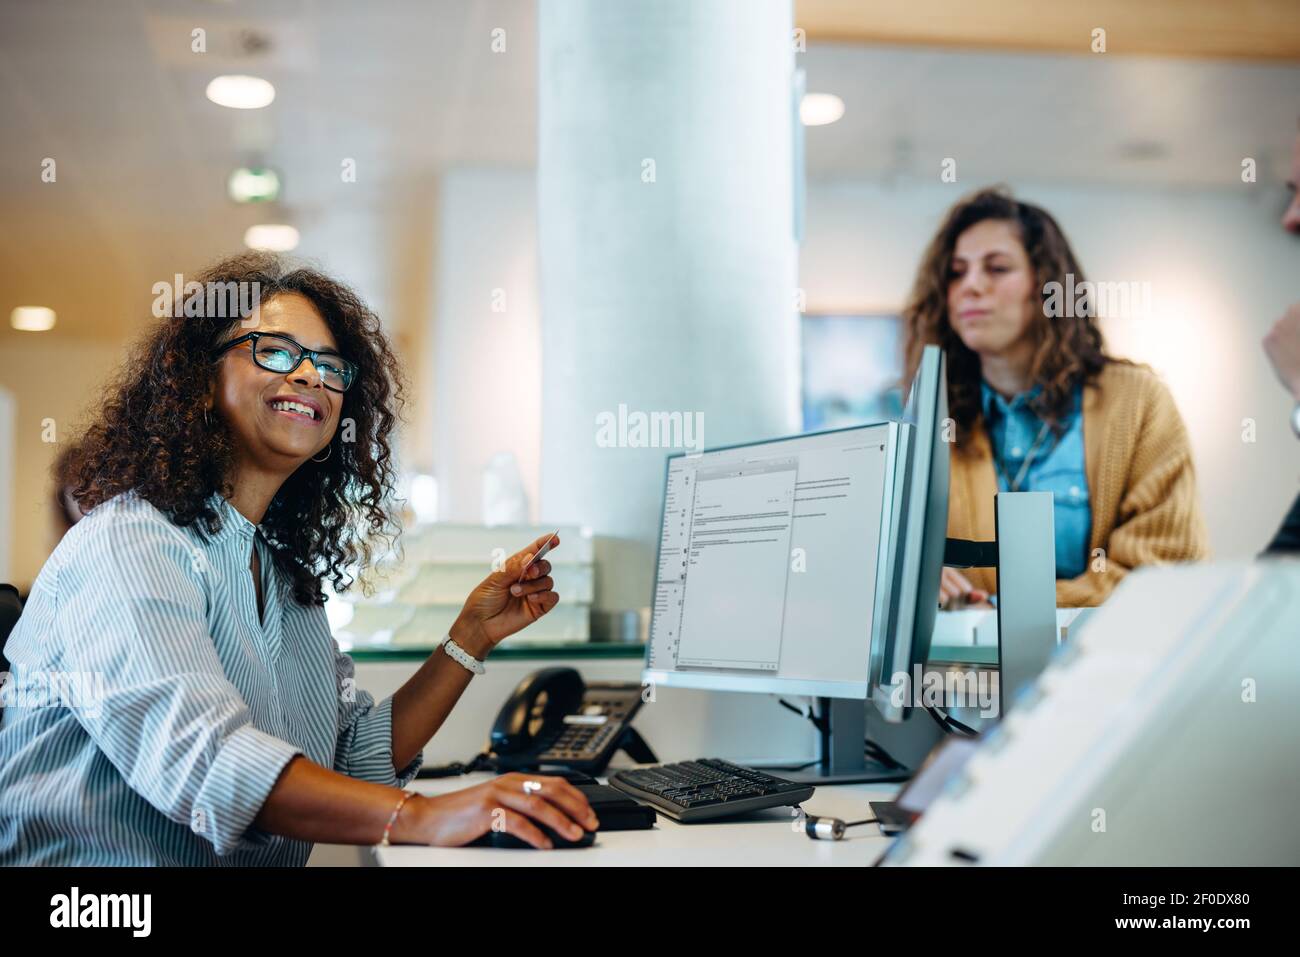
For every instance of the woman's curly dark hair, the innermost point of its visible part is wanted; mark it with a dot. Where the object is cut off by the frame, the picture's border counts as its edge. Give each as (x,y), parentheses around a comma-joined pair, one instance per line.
(1069,349)
(152,435)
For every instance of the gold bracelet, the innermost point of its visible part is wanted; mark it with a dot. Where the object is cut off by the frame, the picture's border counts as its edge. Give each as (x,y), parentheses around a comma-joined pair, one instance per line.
(407,794)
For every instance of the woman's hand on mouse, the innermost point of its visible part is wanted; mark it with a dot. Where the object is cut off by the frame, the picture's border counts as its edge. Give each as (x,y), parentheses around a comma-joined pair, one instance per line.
(502,604)
(502,804)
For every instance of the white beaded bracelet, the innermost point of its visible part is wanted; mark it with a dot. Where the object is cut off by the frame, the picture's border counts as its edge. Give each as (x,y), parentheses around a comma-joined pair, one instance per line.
(462,657)
(407,794)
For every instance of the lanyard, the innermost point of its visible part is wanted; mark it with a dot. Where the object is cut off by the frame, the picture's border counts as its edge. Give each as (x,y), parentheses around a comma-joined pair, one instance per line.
(1024,468)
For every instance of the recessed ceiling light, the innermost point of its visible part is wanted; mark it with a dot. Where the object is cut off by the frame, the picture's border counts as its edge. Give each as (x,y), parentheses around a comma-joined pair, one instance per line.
(32,318)
(272,237)
(241,92)
(253,185)
(818,109)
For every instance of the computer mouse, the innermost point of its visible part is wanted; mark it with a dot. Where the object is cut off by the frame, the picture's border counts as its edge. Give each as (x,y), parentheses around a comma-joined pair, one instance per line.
(573,777)
(508,840)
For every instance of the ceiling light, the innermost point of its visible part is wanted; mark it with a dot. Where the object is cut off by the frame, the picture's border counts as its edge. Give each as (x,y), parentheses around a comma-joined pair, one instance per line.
(273,237)
(253,185)
(32,318)
(241,92)
(818,109)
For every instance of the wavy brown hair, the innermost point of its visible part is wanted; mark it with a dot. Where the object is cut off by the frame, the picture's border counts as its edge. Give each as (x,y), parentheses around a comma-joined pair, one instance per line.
(1069,349)
(151,435)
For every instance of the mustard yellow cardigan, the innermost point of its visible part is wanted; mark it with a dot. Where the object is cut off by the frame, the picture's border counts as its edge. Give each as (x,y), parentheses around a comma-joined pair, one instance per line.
(1141,486)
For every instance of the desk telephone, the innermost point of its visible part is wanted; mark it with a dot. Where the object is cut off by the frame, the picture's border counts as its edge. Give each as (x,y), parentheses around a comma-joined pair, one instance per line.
(555,718)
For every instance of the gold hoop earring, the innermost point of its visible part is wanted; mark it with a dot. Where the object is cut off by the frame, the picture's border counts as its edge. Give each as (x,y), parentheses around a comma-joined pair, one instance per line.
(329,450)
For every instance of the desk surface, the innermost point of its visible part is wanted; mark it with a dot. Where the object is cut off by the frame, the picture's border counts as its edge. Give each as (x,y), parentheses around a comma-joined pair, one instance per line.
(764,839)
(943,651)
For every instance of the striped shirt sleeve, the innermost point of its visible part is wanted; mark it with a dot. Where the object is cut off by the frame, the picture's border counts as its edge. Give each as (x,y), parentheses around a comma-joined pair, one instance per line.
(365,738)
(132,608)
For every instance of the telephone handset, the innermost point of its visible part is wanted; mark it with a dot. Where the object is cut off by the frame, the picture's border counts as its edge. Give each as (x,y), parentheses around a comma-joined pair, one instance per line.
(554,717)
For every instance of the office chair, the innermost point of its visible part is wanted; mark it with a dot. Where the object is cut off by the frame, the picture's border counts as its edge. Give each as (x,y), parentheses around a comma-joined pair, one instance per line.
(11,607)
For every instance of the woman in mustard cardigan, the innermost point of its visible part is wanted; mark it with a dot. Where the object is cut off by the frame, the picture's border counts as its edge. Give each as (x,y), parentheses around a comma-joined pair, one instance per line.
(1039,406)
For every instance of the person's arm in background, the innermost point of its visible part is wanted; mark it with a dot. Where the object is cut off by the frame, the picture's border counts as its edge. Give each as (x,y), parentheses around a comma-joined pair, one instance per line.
(1282,346)
(1159,518)
(956,591)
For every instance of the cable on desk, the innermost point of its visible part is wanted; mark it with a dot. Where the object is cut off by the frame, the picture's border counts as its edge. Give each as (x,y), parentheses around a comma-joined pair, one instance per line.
(829,828)
(878,753)
(480,762)
(950,724)
(789,767)
(866,820)
(871,749)
(805,712)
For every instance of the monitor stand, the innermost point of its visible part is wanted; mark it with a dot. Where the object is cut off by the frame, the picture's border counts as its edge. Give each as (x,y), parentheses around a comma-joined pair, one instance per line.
(842,750)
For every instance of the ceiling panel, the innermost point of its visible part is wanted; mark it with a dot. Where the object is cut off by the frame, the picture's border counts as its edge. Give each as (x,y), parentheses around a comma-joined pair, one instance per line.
(409,88)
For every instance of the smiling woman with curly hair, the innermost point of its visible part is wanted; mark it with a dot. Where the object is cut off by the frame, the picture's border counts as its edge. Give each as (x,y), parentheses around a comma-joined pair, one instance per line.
(175,695)
(177,427)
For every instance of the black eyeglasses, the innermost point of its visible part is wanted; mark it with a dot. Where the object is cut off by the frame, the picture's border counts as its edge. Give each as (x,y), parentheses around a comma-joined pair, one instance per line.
(278,353)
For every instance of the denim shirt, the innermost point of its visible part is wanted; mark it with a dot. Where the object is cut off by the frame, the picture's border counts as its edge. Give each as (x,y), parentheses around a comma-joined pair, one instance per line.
(1057,467)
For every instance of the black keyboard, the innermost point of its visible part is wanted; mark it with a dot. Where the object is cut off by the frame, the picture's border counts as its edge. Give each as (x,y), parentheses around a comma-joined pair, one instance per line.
(708,788)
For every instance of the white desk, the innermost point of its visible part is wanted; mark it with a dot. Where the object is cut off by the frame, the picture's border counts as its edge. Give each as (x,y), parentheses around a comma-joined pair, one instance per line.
(765,839)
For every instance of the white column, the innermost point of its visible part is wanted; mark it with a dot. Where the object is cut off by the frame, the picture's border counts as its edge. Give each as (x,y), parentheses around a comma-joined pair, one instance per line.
(485,361)
(666,254)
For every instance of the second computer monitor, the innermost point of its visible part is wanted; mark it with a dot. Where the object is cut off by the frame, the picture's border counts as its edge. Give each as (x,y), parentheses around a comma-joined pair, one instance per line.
(775,564)
(922,534)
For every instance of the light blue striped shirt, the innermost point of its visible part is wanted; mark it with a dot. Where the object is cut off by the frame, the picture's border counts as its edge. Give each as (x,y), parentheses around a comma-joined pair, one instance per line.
(149,712)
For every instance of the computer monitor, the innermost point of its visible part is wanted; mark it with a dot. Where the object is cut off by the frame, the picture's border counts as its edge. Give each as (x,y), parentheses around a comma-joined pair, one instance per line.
(773,558)
(808,565)
(921,538)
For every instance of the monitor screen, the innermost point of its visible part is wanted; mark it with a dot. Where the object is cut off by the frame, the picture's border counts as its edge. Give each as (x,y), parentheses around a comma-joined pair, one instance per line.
(771,558)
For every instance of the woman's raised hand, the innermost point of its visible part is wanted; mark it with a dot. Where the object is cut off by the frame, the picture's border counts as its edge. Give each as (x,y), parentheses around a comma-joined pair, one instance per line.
(502,604)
